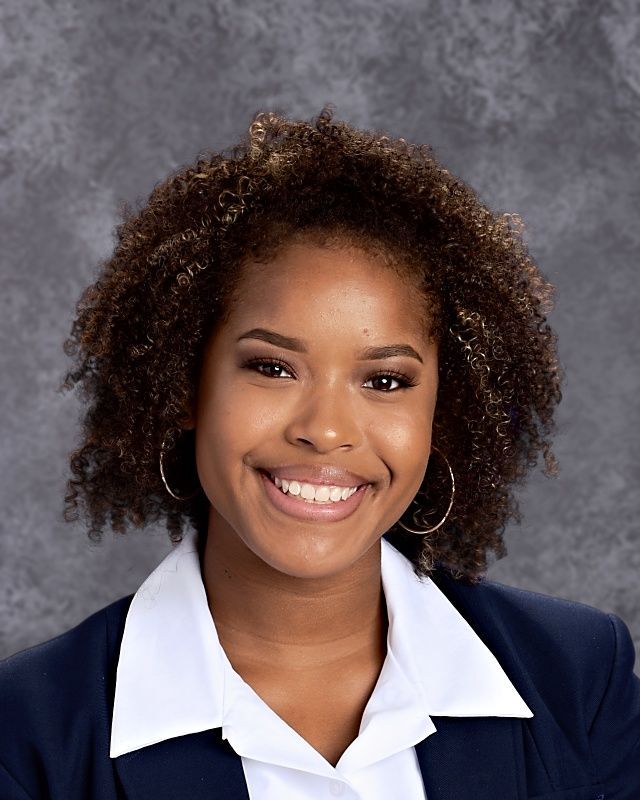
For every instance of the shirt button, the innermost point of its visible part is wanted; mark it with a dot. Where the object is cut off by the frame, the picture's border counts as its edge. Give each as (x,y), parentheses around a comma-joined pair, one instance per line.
(336,788)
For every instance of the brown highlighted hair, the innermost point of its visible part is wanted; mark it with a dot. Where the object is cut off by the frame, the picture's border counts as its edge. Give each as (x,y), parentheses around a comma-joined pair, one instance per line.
(140,330)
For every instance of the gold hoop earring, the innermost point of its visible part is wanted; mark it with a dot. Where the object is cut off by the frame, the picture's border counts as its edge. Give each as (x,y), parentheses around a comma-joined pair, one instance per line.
(163,450)
(420,511)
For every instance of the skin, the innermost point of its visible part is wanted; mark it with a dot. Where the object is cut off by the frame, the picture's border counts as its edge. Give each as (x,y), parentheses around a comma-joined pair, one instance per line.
(298,605)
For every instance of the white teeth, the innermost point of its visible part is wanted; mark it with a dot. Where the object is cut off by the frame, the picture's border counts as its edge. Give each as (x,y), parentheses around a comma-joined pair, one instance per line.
(311,493)
(307,491)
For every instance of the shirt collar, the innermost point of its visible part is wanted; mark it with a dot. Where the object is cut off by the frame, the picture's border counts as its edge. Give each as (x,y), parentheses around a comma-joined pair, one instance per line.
(171,668)
(458,674)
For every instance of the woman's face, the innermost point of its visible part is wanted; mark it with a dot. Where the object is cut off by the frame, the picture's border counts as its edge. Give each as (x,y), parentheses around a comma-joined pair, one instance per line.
(319,409)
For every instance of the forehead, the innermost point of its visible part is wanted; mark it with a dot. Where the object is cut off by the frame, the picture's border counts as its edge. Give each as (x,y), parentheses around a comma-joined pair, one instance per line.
(337,288)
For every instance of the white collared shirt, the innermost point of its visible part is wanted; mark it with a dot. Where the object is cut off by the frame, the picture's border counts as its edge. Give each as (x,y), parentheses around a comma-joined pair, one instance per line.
(174,678)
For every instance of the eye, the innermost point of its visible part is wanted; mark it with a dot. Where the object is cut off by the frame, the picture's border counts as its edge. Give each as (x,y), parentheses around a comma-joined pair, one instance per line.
(404,380)
(273,363)
(277,367)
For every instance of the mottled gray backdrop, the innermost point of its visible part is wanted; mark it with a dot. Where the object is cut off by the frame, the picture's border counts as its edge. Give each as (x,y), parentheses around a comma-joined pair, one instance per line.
(535,104)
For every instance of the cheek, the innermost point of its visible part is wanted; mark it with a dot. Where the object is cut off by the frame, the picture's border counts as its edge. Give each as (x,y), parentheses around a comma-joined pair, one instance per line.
(409,450)
(231,422)
(404,441)
(403,436)
(407,434)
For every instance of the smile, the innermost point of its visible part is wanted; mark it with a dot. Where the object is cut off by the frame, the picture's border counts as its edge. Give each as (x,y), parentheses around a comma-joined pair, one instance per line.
(306,500)
(313,493)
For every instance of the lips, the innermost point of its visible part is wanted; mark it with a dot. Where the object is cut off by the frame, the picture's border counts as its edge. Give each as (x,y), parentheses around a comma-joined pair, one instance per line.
(311,512)
(320,474)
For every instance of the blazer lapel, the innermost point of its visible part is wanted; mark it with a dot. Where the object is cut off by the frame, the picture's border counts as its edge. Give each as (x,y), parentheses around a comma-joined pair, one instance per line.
(200,766)
(478,758)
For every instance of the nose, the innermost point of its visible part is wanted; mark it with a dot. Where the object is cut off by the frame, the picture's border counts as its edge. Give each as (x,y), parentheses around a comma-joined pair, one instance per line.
(326,419)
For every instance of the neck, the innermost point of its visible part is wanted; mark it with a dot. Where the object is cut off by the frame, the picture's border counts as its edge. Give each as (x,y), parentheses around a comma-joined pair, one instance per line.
(265,616)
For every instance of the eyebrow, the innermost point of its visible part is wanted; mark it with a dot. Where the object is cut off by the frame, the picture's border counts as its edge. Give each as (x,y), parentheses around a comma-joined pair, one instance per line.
(298,346)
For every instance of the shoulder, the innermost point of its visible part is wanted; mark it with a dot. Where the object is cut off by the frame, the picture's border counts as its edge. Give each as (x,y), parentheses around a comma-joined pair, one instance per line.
(543,633)
(59,693)
(572,664)
(524,614)
(530,617)
(75,658)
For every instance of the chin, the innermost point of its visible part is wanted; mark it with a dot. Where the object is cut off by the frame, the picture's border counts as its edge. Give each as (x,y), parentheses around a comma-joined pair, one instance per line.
(310,557)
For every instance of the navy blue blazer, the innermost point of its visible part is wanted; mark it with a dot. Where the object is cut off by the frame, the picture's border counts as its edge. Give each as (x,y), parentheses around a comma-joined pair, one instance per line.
(572,664)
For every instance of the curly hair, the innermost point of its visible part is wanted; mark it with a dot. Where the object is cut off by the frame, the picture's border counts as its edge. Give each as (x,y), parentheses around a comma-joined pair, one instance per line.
(141,327)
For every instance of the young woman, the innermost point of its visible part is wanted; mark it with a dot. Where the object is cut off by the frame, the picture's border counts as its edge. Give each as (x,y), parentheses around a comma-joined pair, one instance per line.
(325,364)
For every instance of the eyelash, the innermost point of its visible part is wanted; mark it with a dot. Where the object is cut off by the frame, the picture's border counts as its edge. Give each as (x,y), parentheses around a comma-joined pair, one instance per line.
(405,381)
